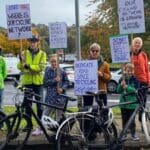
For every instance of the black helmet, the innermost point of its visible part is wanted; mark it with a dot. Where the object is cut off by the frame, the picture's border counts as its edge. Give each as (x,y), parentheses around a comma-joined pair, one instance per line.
(34,38)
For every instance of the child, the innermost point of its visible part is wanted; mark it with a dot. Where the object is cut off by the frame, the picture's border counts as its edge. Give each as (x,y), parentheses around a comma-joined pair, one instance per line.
(128,84)
(55,82)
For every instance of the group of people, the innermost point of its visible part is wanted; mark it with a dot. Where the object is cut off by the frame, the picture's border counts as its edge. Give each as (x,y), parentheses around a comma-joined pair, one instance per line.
(34,75)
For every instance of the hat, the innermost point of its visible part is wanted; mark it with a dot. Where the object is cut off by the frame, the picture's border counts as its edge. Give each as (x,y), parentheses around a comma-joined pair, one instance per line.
(34,38)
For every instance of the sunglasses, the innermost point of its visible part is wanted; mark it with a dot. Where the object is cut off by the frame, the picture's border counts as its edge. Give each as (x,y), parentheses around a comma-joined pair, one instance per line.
(93,51)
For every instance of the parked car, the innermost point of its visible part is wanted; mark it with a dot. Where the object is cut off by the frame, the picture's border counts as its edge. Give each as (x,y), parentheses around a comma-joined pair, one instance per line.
(12,70)
(113,83)
(69,69)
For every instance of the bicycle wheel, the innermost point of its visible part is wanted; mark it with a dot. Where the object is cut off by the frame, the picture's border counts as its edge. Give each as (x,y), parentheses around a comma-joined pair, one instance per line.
(13,134)
(78,133)
(146,123)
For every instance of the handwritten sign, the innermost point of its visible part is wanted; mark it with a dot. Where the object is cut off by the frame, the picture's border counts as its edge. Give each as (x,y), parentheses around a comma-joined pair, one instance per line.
(58,35)
(18,21)
(131,16)
(120,51)
(85,77)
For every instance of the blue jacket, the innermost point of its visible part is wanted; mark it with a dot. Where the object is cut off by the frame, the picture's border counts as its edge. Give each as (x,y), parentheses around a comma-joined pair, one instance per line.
(52,97)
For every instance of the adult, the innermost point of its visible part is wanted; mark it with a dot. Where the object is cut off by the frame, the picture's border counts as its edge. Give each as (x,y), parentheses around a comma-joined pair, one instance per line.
(140,61)
(32,65)
(3,74)
(104,74)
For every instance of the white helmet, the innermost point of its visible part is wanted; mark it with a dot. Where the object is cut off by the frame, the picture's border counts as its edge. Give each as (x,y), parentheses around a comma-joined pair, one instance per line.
(49,122)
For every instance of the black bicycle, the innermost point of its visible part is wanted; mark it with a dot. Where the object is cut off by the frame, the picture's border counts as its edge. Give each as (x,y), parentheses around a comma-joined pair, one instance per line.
(76,130)
(88,128)
(15,123)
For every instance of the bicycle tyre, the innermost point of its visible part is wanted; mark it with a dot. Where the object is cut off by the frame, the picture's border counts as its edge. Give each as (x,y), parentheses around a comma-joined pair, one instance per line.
(13,134)
(146,123)
(74,135)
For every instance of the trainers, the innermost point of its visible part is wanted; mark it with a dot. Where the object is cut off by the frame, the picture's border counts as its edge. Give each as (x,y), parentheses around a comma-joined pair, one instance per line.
(37,132)
(124,137)
(135,137)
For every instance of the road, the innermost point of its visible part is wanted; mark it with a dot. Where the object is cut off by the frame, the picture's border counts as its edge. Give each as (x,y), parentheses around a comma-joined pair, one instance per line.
(10,91)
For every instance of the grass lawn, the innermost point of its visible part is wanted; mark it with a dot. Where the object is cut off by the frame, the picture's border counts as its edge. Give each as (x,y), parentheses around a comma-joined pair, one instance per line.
(11,109)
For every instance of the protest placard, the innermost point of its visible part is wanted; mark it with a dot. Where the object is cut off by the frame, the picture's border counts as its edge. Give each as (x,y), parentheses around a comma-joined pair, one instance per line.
(131,16)
(18,21)
(120,51)
(86,78)
(58,35)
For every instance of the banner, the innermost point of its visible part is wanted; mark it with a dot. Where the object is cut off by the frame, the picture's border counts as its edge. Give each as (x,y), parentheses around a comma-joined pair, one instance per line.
(131,16)
(120,51)
(58,35)
(86,78)
(18,21)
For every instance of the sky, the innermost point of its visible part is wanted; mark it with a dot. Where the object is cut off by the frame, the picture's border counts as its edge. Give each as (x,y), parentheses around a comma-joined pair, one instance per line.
(48,11)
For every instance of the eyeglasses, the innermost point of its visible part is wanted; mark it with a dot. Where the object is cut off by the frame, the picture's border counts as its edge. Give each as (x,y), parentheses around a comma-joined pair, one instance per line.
(94,51)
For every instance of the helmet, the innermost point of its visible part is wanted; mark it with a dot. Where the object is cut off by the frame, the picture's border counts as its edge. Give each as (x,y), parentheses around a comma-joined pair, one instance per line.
(34,38)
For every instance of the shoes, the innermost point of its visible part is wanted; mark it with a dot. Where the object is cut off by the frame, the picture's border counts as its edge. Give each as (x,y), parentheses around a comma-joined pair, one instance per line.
(124,137)
(135,137)
(37,132)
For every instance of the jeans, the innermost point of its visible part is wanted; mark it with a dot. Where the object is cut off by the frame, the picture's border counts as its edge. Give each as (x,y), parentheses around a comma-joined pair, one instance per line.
(38,89)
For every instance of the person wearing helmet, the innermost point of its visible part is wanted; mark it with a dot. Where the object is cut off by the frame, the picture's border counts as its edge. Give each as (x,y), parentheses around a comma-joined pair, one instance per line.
(32,65)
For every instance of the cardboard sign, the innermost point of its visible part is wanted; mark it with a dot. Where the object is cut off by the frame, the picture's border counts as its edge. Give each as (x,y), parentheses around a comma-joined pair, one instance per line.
(131,16)
(58,35)
(86,78)
(18,21)
(120,51)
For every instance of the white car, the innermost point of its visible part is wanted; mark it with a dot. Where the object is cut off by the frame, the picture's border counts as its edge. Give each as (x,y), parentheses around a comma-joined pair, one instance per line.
(113,83)
(11,65)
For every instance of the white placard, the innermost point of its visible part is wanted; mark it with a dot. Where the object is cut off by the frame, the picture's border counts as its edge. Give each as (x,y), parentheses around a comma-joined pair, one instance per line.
(131,16)
(120,50)
(58,35)
(18,21)
(85,76)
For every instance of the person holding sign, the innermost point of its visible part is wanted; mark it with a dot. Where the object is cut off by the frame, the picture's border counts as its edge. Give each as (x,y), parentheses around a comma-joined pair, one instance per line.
(104,74)
(140,61)
(56,83)
(32,65)
(128,83)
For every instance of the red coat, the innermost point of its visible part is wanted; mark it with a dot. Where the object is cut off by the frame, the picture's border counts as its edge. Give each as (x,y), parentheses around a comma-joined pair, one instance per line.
(140,62)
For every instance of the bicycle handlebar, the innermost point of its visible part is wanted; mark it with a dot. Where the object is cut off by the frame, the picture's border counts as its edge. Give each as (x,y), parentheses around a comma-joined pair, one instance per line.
(96,93)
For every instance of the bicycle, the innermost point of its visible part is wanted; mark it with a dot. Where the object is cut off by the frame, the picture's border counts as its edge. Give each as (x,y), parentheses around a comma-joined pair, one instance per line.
(77,131)
(13,131)
(65,136)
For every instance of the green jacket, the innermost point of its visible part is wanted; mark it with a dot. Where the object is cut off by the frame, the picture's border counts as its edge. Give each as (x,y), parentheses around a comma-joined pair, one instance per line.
(3,72)
(132,85)
(35,74)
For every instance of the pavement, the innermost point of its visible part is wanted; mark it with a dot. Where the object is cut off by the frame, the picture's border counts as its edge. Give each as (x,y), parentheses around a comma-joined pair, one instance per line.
(41,143)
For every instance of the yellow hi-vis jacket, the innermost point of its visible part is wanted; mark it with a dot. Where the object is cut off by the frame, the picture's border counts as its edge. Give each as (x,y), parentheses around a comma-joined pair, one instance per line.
(35,73)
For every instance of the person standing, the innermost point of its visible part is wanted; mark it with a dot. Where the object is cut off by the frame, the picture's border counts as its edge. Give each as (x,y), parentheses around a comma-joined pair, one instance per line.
(32,65)
(3,74)
(104,74)
(128,83)
(140,61)
(56,83)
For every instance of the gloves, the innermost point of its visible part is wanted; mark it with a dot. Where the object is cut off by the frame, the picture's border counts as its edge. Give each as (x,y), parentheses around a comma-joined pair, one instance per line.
(26,66)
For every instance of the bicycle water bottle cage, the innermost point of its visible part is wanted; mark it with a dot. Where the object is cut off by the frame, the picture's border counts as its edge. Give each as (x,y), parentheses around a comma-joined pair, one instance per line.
(49,122)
